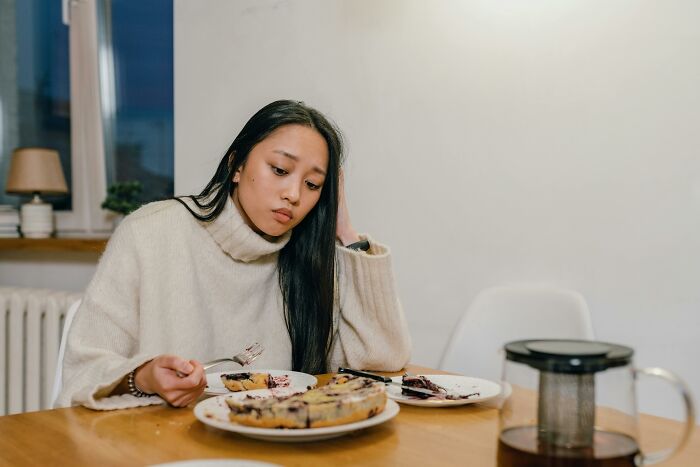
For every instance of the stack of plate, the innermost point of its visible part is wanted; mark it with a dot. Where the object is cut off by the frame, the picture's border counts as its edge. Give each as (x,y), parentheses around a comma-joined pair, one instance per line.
(9,221)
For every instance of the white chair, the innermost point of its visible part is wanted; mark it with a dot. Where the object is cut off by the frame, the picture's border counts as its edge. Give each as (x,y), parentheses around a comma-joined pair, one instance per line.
(506,313)
(58,379)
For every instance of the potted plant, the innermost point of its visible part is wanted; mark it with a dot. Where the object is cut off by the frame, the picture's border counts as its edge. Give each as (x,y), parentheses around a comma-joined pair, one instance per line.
(123,198)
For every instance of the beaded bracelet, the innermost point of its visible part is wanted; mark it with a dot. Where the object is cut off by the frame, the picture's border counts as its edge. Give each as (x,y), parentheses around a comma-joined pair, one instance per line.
(133,390)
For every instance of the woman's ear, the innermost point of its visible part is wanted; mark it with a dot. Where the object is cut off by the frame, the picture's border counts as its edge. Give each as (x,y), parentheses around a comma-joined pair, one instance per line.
(237,176)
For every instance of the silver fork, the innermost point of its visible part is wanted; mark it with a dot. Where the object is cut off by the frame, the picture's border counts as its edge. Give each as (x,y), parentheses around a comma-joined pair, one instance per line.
(243,358)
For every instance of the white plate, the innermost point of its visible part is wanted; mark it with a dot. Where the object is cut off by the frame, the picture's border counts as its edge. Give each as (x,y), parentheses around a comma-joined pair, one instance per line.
(214,412)
(296,380)
(462,385)
(216,463)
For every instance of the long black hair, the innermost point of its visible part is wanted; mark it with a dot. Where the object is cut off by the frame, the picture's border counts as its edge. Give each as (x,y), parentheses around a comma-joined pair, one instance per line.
(306,264)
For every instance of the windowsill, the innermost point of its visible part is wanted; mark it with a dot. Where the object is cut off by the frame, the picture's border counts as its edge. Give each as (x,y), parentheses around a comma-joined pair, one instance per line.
(93,245)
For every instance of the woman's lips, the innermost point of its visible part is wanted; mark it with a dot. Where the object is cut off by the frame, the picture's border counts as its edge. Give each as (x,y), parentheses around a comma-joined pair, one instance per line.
(282,215)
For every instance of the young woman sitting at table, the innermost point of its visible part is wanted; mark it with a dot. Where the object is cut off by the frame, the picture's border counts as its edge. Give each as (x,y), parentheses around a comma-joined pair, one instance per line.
(265,253)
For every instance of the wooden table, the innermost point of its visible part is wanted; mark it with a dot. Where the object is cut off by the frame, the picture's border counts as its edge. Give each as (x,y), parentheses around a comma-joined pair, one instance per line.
(463,435)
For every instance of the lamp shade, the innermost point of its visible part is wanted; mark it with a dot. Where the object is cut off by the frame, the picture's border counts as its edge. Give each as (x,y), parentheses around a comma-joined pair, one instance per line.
(36,170)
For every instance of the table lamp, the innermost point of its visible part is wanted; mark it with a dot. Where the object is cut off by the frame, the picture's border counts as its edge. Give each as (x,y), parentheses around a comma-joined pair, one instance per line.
(34,171)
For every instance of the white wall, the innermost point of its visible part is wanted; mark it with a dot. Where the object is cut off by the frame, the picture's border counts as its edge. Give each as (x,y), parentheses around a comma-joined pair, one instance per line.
(70,271)
(490,142)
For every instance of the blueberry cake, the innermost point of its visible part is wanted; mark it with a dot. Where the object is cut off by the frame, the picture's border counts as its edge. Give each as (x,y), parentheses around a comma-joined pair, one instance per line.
(424,383)
(345,399)
(246,381)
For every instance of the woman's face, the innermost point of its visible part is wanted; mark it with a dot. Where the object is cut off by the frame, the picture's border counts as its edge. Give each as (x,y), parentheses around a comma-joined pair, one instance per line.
(281,180)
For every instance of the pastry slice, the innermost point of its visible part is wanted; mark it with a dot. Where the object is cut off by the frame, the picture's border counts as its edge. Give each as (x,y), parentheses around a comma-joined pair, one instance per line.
(246,381)
(419,382)
(424,383)
(345,399)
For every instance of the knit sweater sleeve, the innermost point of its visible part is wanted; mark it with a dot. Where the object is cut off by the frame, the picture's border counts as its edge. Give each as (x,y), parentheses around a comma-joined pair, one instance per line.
(371,330)
(102,344)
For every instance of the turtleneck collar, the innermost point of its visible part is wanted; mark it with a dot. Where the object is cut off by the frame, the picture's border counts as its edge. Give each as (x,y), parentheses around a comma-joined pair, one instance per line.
(238,240)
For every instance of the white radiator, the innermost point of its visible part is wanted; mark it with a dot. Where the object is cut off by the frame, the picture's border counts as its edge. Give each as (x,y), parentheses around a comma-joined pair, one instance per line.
(31,321)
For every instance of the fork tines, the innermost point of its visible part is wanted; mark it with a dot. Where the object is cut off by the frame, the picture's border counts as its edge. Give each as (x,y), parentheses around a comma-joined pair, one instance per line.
(251,352)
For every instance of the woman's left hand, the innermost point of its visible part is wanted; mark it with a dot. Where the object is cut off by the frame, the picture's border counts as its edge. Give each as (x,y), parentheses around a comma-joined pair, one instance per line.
(344,231)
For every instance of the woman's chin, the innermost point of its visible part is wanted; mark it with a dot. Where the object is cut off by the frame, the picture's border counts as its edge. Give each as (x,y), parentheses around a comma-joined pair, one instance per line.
(272,232)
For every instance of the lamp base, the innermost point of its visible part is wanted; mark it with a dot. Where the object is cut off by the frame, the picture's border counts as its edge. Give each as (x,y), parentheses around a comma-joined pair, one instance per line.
(36,219)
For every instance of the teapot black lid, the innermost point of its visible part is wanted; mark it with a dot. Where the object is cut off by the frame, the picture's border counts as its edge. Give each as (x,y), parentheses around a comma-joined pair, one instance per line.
(568,356)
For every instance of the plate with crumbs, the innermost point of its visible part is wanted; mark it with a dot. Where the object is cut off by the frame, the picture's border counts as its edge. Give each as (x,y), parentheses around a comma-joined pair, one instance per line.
(215,412)
(462,389)
(280,378)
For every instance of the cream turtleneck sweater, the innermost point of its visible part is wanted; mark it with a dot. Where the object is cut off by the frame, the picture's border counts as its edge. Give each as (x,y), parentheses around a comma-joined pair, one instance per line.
(169,284)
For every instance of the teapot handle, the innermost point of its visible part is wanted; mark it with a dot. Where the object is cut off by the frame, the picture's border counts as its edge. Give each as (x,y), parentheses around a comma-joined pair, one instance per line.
(660,456)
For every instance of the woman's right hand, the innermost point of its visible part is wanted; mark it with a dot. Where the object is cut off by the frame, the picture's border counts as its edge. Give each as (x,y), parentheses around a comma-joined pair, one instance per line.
(180,382)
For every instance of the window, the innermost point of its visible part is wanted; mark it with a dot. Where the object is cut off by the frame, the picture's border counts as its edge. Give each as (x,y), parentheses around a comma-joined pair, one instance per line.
(34,85)
(99,90)
(136,70)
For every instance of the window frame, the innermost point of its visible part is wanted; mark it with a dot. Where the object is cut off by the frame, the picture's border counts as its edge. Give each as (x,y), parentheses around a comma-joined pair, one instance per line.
(89,180)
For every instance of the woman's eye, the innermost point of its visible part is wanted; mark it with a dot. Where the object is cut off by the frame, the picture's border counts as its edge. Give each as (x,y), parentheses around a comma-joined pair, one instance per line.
(312,186)
(278,171)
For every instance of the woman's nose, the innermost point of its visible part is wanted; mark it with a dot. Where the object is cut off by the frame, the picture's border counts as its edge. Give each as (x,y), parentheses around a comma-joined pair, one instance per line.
(291,193)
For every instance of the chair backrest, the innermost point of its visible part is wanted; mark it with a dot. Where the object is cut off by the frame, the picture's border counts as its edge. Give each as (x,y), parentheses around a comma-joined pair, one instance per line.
(506,313)
(58,379)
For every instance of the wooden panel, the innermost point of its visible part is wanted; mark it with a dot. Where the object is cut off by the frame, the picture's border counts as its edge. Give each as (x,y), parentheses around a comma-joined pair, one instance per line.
(95,245)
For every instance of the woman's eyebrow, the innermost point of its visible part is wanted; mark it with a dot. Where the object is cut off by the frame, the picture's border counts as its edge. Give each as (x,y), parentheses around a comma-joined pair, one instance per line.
(296,159)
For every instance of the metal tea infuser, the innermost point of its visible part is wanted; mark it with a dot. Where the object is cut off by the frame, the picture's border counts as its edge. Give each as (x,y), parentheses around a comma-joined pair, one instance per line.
(573,403)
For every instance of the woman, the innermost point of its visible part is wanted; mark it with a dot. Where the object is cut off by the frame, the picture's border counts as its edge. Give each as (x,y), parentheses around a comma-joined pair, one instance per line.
(258,256)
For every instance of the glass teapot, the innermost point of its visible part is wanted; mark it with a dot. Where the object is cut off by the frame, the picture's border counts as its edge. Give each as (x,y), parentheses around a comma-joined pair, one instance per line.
(573,403)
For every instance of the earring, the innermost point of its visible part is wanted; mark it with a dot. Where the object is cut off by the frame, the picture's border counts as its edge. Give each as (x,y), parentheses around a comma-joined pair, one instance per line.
(236,177)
